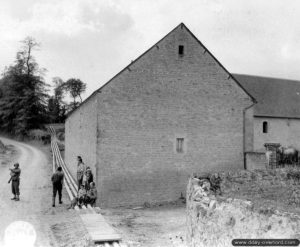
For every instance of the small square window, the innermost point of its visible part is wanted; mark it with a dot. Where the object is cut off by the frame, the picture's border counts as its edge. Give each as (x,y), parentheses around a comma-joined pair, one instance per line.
(181,50)
(179,145)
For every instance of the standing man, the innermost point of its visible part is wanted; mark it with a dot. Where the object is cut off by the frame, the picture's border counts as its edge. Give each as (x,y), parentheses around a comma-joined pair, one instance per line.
(15,181)
(57,182)
(81,168)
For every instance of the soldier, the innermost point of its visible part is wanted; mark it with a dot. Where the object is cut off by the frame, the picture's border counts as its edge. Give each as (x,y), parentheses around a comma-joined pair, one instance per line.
(15,181)
(57,181)
(81,167)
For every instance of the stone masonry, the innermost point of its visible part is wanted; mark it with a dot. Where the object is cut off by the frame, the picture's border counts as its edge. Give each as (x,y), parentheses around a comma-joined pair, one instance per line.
(159,102)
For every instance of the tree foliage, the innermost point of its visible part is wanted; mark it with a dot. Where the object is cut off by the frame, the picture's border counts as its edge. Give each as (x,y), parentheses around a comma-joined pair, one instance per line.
(23,101)
(75,87)
(56,106)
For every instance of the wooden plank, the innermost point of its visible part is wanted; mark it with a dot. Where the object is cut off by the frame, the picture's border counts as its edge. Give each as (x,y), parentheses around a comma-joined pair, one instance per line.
(90,217)
(91,211)
(102,230)
(98,228)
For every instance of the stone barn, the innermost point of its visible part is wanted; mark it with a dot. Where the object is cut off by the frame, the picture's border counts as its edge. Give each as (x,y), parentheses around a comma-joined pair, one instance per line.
(276,116)
(173,111)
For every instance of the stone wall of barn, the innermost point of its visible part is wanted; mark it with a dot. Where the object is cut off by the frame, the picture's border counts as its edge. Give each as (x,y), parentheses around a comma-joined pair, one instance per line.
(280,130)
(81,136)
(248,128)
(256,160)
(159,98)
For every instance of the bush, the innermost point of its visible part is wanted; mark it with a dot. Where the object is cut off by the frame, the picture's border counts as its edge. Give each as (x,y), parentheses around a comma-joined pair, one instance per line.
(37,134)
(41,135)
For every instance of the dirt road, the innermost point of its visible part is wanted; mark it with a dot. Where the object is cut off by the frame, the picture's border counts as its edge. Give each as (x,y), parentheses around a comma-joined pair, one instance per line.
(58,227)
(35,205)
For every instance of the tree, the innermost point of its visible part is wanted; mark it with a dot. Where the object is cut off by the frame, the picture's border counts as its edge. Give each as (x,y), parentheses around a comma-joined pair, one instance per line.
(57,107)
(59,86)
(24,92)
(53,110)
(56,104)
(75,87)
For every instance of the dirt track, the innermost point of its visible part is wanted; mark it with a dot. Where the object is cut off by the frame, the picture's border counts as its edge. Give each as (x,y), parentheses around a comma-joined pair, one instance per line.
(57,227)
(34,206)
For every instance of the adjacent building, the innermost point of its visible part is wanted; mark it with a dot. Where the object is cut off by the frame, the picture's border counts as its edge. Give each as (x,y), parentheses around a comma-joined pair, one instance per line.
(173,111)
(276,116)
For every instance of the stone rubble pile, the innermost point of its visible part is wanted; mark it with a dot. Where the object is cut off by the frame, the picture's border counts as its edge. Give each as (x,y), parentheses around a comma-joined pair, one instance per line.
(216,221)
(201,190)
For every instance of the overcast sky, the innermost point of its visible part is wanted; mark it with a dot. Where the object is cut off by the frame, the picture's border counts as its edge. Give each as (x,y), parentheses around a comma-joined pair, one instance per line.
(94,39)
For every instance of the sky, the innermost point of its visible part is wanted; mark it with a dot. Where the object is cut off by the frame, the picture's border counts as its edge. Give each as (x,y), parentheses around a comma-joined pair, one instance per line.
(94,39)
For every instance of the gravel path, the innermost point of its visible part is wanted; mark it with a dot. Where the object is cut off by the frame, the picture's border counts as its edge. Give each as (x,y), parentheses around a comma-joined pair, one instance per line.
(53,226)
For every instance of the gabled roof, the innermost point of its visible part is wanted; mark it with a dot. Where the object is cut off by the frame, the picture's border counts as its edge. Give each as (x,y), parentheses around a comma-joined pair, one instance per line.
(276,97)
(181,25)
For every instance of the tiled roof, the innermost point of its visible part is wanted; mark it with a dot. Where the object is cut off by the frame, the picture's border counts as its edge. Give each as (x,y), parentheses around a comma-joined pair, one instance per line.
(275,97)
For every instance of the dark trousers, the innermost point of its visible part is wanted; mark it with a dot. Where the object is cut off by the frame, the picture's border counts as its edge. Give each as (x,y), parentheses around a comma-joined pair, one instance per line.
(57,188)
(15,187)
(82,200)
(79,181)
(91,201)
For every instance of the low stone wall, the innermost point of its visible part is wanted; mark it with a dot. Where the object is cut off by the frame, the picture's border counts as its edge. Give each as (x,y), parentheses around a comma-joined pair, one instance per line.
(256,160)
(216,221)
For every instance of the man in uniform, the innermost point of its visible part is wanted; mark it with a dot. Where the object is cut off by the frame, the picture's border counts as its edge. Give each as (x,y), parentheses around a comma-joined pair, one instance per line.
(15,181)
(57,182)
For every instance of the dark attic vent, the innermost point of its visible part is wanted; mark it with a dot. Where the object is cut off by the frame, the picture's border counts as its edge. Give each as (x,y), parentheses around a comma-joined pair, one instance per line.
(181,50)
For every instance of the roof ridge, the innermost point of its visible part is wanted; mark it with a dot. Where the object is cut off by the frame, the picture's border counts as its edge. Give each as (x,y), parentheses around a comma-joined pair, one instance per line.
(266,77)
